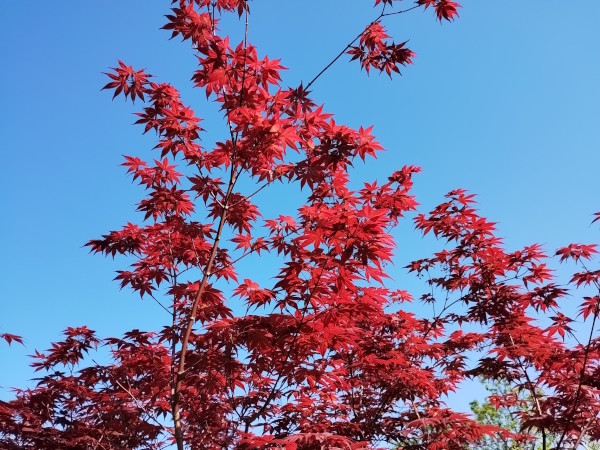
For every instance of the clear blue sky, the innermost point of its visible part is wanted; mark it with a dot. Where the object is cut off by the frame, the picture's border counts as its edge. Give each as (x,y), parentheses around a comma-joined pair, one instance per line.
(504,102)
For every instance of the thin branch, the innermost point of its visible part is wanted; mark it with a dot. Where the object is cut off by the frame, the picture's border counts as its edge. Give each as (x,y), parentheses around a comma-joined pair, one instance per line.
(175,401)
(349,46)
(139,404)
(533,390)
(582,434)
(173,325)
(401,12)
(586,355)
(194,311)
(159,303)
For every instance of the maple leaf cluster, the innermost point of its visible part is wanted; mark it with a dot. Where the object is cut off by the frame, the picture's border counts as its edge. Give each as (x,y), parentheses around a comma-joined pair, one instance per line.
(444,9)
(374,51)
(326,355)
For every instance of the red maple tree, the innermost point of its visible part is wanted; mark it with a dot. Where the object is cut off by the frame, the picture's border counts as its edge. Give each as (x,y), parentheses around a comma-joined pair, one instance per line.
(326,356)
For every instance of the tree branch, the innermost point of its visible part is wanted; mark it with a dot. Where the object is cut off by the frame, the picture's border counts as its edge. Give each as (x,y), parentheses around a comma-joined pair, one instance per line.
(349,46)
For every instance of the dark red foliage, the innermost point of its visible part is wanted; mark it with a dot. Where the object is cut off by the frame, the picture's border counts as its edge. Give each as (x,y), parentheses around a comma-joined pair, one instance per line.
(324,354)
(9,338)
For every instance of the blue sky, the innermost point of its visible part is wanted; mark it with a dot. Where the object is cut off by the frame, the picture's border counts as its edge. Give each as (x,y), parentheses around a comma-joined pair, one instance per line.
(503,102)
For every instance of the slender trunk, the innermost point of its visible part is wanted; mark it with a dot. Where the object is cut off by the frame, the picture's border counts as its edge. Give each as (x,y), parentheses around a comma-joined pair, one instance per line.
(176,391)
